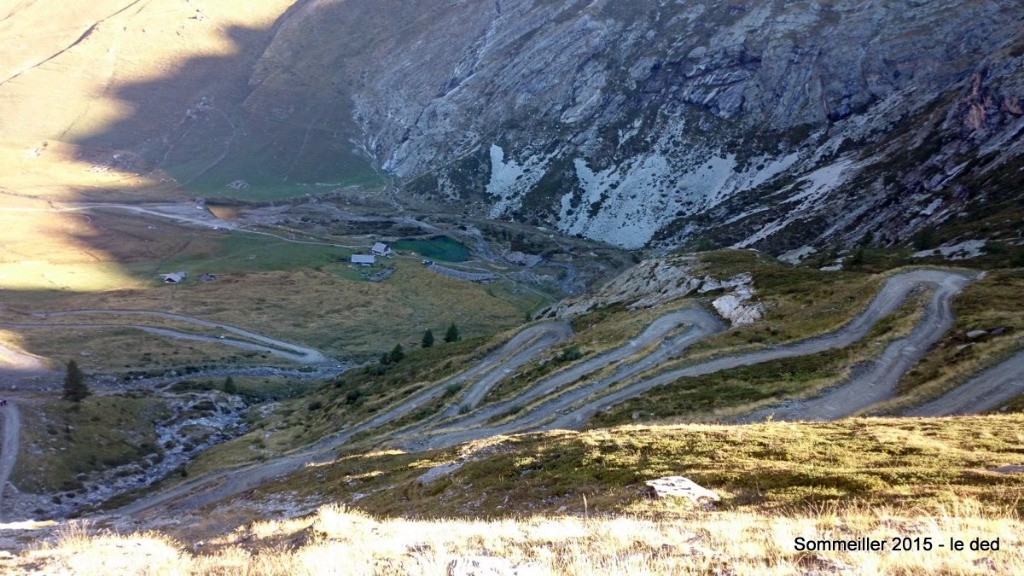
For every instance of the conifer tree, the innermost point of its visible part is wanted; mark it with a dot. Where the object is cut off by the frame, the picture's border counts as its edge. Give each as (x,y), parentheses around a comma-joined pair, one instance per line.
(453,333)
(75,389)
(397,353)
(428,338)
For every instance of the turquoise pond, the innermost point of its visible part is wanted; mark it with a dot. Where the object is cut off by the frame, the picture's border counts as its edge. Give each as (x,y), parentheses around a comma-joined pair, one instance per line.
(442,248)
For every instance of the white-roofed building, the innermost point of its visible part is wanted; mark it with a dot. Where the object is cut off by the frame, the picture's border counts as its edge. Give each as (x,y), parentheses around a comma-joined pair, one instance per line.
(364,259)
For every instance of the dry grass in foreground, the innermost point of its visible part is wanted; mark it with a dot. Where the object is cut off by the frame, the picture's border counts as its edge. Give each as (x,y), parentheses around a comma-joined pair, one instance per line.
(339,541)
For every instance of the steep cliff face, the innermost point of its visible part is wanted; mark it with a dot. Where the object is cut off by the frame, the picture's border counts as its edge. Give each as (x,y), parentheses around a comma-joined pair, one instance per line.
(759,123)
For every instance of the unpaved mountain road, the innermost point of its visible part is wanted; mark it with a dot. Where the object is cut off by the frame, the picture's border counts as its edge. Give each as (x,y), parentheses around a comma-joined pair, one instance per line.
(213,487)
(701,322)
(573,407)
(11,422)
(522,348)
(984,392)
(291,351)
(893,292)
(878,382)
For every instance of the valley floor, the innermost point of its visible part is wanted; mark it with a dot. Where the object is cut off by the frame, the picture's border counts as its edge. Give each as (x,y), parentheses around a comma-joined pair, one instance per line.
(430,433)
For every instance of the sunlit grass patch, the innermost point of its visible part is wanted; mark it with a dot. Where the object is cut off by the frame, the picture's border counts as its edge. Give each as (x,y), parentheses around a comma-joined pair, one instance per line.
(336,539)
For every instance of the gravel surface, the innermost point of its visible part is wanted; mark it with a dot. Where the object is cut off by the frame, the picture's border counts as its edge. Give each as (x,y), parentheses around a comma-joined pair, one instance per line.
(984,392)
(9,445)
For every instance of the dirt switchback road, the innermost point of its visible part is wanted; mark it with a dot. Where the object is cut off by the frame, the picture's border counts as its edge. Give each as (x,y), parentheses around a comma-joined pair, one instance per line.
(701,322)
(219,485)
(522,348)
(573,407)
(984,392)
(896,288)
(878,381)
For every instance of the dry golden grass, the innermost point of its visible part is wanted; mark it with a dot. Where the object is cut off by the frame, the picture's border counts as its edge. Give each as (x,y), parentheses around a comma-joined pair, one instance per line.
(52,251)
(64,96)
(335,540)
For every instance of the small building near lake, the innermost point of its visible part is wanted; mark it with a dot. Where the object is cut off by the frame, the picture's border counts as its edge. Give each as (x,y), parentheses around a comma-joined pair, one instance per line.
(364,259)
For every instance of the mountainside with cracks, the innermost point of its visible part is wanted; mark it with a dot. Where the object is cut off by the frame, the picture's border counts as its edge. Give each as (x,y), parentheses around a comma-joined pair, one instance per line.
(763,123)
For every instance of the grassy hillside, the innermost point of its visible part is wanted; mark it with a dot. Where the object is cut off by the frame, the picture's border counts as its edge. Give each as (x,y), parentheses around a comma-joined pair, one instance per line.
(901,463)
(573,503)
(304,293)
(117,99)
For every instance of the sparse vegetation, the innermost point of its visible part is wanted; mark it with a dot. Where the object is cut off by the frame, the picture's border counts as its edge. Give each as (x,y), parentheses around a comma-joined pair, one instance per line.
(990,304)
(570,353)
(776,466)
(101,431)
(185,101)
(924,239)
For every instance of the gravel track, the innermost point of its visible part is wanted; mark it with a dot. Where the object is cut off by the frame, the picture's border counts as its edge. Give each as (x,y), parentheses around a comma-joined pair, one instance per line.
(213,487)
(9,445)
(702,324)
(573,407)
(573,411)
(895,289)
(878,381)
(984,392)
(259,342)
(523,347)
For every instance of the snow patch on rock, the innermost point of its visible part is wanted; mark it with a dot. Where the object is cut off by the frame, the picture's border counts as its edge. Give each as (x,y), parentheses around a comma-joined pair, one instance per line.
(805,194)
(960,251)
(613,206)
(627,203)
(510,181)
(795,256)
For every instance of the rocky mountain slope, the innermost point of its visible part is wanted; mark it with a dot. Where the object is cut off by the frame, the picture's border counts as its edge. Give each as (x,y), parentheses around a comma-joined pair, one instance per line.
(760,123)
(755,123)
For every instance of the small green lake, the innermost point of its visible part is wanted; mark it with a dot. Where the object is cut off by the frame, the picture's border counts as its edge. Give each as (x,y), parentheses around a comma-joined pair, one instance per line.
(442,248)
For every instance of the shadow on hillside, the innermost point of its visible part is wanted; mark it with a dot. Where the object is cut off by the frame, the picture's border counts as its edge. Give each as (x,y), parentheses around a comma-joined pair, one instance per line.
(230,124)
